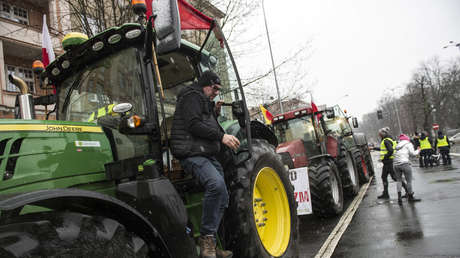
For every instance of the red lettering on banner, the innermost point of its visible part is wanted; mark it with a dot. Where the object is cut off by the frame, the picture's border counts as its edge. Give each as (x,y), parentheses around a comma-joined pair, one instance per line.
(301,196)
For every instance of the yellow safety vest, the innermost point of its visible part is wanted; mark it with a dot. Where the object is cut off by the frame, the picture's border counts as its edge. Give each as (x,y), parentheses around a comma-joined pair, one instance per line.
(383,148)
(425,144)
(103,111)
(442,142)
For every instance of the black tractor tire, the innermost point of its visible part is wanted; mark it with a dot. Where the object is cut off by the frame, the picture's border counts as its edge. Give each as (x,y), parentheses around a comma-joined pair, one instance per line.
(241,231)
(68,234)
(358,159)
(325,187)
(348,173)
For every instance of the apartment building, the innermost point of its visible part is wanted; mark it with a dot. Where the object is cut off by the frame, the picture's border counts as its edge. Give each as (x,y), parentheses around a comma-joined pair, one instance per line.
(21,43)
(21,25)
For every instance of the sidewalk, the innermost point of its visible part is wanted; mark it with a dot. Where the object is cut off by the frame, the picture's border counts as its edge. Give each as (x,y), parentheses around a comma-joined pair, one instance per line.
(455,150)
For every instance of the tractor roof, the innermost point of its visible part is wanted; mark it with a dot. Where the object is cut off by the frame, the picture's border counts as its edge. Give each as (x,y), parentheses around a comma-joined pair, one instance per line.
(292,114)
(296,113)
(103,44)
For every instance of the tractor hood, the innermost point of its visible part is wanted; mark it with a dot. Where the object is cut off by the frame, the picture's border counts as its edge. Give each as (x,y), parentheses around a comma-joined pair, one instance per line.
(36,154)
(296,150)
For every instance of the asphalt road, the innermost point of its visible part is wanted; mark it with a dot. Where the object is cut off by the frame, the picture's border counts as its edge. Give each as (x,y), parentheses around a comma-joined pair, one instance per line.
(430,228)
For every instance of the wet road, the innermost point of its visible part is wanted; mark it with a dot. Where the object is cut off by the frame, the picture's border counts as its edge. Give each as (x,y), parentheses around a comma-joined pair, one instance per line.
(430,228)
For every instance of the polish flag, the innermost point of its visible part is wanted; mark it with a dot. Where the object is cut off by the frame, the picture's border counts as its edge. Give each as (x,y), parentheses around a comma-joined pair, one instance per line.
(315,108)
(47,46)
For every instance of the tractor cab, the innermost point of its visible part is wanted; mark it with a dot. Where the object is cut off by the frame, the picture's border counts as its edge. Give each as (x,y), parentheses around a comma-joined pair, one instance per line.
(90,86)
(337,122)
(303,134)
(297,127)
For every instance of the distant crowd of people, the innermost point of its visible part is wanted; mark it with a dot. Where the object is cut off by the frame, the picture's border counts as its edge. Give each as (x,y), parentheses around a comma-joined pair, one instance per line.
(428,147)
(395,156)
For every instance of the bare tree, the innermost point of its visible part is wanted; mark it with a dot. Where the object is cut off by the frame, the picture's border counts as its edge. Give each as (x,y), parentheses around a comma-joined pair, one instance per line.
(431,96)
(94,16)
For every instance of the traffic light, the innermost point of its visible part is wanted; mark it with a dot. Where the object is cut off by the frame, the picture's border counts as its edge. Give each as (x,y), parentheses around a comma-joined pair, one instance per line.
(379,114)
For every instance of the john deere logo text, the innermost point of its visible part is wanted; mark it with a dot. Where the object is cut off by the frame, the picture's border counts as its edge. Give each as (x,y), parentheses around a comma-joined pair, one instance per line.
(63,128)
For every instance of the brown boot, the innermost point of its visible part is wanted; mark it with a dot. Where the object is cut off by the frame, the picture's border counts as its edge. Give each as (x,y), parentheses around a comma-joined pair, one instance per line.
(207,247)
(223,253)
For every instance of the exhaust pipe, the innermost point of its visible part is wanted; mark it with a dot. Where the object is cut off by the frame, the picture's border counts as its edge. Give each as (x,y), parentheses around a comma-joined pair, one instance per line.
(26,101)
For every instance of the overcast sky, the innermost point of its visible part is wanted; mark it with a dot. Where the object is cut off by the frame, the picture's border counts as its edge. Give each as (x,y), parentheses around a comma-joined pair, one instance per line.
(359,47)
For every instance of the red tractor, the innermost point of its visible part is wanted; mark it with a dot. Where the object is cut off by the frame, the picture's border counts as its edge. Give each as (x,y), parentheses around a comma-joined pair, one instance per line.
(306,141)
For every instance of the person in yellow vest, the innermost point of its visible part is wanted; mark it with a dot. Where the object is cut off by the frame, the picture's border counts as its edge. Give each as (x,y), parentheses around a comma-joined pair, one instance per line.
(425,151)
(443,145)
(387,147)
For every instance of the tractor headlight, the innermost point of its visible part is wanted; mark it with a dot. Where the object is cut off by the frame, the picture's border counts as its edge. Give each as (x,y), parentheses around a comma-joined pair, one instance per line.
(133,33)
(115,38)
(98,46)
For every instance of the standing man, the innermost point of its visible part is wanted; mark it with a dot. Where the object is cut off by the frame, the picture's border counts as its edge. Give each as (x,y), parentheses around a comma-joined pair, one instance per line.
(425,151)
(443,145)
(196,138)
(387,146)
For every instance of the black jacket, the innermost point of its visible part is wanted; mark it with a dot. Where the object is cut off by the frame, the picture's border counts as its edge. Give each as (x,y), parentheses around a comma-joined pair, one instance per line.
(195,130)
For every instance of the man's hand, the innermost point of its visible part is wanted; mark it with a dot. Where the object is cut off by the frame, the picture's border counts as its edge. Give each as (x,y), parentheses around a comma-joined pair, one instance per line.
(231,141)
(218,106)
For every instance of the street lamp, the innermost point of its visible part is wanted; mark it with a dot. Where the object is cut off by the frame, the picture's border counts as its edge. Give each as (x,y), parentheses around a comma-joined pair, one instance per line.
(273,62)
(396,107)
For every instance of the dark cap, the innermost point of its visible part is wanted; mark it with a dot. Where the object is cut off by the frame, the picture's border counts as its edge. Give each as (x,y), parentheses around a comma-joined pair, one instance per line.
(208,78)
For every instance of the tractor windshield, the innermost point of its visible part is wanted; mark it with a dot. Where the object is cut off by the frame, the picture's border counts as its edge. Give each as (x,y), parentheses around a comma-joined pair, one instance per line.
(294,129)
(337,125)
(219,61)
(91,93)
(217,58)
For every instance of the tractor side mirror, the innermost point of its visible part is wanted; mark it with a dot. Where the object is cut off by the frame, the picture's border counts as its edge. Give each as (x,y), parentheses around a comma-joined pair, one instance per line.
(213,61)
(355,122)
(330,113)
(122,108)
(238,112)
(167,25)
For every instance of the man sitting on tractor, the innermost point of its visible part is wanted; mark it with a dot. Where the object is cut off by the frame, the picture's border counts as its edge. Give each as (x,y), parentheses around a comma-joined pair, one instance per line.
(196,138)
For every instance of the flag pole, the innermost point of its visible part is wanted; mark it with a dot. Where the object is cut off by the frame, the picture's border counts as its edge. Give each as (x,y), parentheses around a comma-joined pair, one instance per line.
(271,55)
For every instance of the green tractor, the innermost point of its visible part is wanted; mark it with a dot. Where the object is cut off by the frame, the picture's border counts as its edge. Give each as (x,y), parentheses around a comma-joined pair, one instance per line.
(100,180)
(354,142)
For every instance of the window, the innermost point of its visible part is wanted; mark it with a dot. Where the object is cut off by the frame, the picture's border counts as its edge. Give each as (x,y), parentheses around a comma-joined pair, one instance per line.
(14,13)
(23,73)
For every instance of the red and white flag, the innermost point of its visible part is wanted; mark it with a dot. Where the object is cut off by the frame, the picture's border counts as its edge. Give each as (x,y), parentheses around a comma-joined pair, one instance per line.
(47,45)
(314,107)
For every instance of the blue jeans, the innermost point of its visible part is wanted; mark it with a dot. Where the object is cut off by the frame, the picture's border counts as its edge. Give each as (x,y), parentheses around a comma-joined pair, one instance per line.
(210,175)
